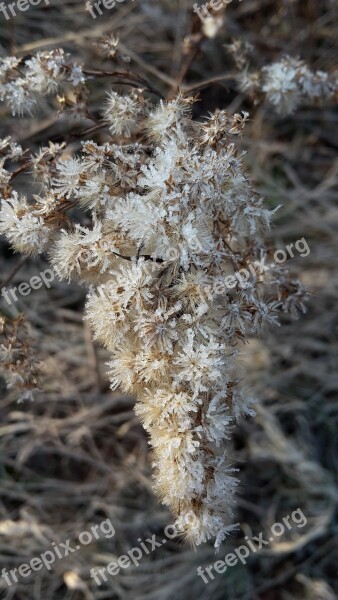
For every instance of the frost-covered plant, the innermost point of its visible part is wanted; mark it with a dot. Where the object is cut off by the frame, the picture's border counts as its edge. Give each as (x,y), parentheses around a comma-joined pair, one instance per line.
(17,358)
(287,83)
(172,214)
(22,81)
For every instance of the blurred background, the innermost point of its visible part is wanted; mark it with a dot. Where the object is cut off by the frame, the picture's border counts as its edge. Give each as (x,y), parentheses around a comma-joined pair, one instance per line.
(77,454)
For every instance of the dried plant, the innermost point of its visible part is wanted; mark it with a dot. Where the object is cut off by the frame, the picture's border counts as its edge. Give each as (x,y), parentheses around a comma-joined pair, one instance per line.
(174,218)
(284,84)
(17,357)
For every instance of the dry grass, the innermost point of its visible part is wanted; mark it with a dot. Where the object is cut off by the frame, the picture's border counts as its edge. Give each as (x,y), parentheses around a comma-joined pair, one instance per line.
(77,455)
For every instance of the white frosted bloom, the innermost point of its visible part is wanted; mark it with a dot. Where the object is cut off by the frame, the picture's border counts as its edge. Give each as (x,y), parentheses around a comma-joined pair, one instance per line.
(289,82)
(122,369)
(95,192)
(199,364)
(139,217)
(107,316)
(83,252)
(242,404)
(235,318)
(26,231)
(122,114)
(133,282)
(68,180)
(8,64)
(281,86)
(217,421)
(163,403)
(23,82)
(157,329)
(44,74)
(18,97)
(165,116)
(248,82)
(164,169)
(193,289)
(317,85)
(76,75)
(45,205)
(5,176)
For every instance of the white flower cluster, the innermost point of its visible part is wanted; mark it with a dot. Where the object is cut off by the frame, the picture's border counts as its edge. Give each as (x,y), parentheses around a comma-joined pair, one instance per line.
(22,81)
(17,358)
(288,83)
(172,214)
(8,151)
(30,227)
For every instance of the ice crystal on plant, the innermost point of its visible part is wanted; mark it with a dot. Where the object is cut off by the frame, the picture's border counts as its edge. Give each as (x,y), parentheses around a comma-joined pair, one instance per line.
(121,112)
(18,359)
(287,83)
(169,215)
(26,231)
(21,81)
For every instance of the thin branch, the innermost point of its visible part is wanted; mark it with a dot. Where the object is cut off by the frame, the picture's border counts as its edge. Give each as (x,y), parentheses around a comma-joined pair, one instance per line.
(195,47)
(207,82)
(14,271)
(145,256)
(21,169)
(133,80)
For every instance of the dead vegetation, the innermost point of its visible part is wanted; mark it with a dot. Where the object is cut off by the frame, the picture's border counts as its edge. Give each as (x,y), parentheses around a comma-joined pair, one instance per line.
(77,454)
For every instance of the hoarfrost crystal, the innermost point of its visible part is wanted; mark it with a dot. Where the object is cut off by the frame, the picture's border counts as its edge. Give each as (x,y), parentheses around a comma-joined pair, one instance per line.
(171,214)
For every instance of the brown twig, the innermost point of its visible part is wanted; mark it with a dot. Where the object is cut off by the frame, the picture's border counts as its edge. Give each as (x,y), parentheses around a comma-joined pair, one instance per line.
(14,271)
(133,80)
(194,49)
(207,82)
